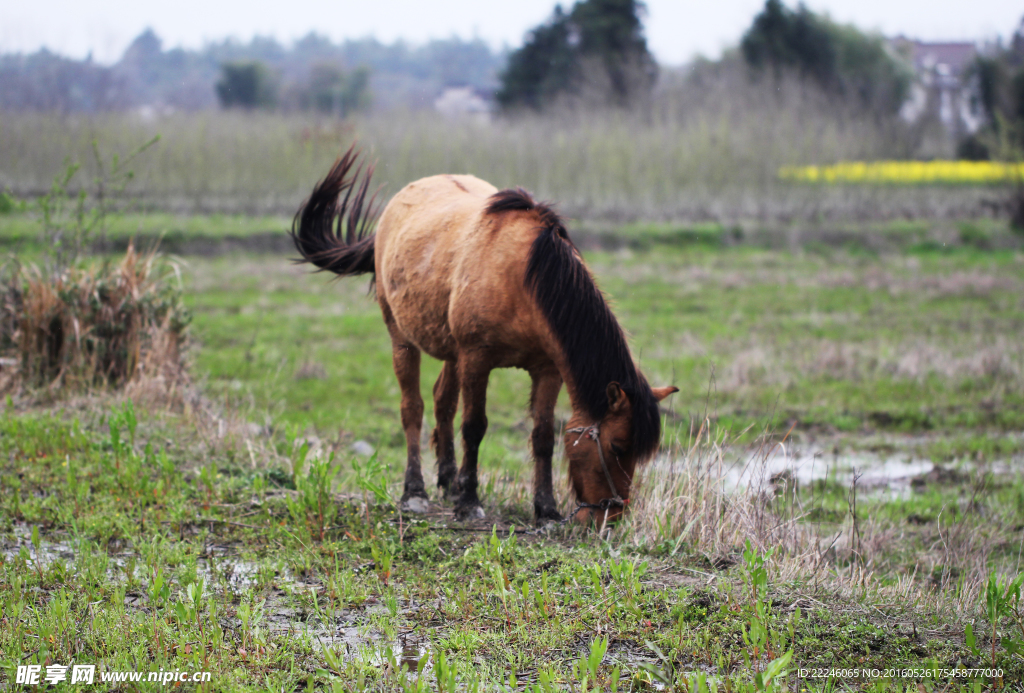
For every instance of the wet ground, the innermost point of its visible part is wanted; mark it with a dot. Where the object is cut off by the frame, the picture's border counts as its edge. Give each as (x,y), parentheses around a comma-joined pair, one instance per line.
(892,467)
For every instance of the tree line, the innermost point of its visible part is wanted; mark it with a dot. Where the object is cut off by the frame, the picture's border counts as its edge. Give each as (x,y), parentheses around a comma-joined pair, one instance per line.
(312,73)
(593,53)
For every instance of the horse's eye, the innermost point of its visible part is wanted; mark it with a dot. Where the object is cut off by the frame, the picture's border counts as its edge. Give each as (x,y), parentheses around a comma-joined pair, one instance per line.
(617,450)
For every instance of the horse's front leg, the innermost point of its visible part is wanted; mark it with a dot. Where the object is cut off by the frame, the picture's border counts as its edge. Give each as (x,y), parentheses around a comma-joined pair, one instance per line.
(406,359)
(473,375)
(543,396)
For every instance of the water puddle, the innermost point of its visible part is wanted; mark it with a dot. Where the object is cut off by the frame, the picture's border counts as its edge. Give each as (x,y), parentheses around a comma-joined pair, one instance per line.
(892,474)
(284,595)
(410,653)
(895,474)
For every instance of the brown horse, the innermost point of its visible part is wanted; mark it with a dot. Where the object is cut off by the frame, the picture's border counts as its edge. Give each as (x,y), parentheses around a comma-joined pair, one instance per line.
(484,279)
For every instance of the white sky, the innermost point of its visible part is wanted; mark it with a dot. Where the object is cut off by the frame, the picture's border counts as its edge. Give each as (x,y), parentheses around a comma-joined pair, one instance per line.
(676,29)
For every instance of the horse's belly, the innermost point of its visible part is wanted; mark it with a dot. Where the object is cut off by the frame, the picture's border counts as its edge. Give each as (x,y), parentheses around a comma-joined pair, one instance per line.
(420,312)
(431,335)
(442,326)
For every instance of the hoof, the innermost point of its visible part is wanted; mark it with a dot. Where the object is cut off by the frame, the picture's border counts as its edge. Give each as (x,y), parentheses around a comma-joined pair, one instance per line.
(416,505)
(468,513)
(545,511)
(548,517)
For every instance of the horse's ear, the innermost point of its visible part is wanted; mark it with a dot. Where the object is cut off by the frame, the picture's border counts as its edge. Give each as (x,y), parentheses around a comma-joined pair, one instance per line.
(616,397)
(661,393)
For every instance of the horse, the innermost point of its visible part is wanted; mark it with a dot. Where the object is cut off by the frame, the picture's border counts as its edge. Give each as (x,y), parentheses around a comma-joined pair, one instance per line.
(482,278)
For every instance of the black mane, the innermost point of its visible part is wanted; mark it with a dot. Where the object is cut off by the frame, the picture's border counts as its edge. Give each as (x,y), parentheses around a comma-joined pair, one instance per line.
(593,342)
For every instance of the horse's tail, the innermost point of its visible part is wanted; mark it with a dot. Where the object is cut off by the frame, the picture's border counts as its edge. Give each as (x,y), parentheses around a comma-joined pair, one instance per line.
(344,246)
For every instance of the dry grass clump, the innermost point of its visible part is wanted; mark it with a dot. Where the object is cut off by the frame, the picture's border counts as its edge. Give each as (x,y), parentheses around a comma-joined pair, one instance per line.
(684,497)
(87,327)
(700,497)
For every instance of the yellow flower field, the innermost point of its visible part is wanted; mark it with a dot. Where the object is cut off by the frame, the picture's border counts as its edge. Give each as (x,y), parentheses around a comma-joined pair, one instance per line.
(906,172)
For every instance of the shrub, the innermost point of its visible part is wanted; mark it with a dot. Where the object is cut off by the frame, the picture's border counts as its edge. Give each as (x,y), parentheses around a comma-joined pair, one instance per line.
(73,324)
(87,327)
(247,85)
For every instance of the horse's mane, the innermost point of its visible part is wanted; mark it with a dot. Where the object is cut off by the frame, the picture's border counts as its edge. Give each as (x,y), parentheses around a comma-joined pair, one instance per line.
(593,342)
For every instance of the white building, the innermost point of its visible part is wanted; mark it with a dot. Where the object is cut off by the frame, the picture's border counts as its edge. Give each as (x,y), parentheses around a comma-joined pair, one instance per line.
(463,102)
(943,87)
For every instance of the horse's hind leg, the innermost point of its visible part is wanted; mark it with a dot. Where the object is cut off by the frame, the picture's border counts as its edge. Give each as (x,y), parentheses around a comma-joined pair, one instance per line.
(543,396)
(406,359)
(473,375)
(446,403)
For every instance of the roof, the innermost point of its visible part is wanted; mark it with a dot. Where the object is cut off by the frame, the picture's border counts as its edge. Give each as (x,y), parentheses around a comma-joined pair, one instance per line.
(948,59)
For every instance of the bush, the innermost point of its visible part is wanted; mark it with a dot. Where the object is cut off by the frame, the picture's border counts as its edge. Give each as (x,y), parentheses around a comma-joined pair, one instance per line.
(73,324)
(247,85)
(92,327)
(7,203)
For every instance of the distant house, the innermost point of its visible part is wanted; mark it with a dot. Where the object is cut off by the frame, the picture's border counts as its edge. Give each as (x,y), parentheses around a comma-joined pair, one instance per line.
(456,102)
(943,88)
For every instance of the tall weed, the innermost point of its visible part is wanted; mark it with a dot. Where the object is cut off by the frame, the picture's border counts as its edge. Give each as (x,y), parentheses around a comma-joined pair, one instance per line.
(707,147)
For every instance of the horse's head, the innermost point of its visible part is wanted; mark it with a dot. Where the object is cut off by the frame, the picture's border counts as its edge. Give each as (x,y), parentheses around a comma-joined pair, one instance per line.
(602,458)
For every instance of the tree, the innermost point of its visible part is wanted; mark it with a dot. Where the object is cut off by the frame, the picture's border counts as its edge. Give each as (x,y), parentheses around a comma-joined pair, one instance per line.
(559,55)
(44,81)
(246,85)
(1001,89)
(333,91)
(1000,78)
(840,59)
(542,68)
(781,38)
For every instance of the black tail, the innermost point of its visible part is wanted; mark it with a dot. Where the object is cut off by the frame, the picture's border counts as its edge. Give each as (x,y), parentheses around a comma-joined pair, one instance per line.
(344,246)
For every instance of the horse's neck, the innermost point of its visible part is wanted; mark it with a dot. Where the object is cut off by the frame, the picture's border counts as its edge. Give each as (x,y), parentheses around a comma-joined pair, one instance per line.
(580,412)
(580,409)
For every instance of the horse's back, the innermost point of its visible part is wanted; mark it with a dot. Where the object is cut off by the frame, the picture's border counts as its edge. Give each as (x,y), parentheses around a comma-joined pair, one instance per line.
(450,273)
(426,216)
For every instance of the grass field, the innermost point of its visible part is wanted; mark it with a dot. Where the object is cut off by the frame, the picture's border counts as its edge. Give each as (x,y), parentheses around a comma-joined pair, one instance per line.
(183,556)
(836,340)
(237,527)
(840,484)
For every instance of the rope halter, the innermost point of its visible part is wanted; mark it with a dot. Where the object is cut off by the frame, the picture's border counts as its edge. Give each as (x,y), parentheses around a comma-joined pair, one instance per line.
(616,501)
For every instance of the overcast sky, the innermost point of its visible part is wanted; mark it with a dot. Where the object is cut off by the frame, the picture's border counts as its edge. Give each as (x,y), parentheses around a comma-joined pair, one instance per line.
(676,29)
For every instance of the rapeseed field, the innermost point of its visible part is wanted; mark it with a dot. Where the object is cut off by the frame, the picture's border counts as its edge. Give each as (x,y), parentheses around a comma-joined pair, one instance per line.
(907,172)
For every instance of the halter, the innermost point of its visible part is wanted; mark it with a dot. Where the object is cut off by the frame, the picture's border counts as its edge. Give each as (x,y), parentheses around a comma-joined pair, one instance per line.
(616,501)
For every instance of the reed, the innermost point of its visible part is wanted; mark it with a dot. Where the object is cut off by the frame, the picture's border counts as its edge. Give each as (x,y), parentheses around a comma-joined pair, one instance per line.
(93,326)
(685,497)
(701,150)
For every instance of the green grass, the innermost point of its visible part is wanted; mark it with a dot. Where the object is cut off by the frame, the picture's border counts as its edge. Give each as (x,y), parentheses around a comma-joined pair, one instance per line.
(837,343)
(19,231)
(239,531)
(131,552)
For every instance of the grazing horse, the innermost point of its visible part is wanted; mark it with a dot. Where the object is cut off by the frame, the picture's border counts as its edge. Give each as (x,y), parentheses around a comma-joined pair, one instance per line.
(482,279)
